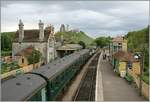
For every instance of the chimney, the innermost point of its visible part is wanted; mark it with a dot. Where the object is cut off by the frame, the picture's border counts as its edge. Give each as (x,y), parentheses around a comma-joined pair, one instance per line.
(21,31)
(41,30)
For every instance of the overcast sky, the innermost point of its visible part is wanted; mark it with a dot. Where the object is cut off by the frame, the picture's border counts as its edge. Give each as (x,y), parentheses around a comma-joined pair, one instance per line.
(96,18)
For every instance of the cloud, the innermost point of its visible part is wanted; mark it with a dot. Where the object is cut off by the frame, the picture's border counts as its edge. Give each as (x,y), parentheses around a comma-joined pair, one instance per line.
(96,18)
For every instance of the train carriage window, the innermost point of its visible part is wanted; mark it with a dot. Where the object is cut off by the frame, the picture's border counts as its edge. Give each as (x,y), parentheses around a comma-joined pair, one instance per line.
(43,94)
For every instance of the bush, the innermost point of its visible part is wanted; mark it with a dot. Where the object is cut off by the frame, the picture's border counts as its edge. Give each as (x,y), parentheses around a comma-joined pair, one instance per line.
(5,53)
(129,78)
(145,78)
(82,44)
(34,57)
(5,67)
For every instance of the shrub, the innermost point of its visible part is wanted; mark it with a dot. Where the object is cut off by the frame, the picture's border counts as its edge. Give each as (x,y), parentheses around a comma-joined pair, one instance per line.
(34,57)
(5,53)
(129,78)
(145,78)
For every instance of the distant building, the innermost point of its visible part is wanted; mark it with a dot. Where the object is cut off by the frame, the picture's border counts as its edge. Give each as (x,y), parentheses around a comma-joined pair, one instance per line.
(41,39)
(119,43)
(75,30)
(62,28)
(22,56)
(124,62)
(67,49)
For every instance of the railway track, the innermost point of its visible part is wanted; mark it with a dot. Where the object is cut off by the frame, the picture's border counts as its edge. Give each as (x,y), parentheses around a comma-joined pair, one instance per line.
(86,90)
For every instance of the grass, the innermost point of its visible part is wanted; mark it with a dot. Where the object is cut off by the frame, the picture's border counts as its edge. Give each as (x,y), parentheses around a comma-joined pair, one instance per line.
(5,67)
(74,37)
(6,53)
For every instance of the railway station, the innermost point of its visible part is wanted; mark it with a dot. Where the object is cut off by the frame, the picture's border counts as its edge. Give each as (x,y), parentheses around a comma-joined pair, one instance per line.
(70,50)
(75,77)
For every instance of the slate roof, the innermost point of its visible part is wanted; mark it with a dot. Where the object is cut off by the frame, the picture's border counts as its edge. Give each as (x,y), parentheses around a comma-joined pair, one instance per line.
(25,52)
(32,35)
(124,56)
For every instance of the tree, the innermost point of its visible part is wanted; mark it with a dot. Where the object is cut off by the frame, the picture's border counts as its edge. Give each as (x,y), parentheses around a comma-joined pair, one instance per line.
(138,41)
(6,41)
(82,44)
(102,41)
(34,57)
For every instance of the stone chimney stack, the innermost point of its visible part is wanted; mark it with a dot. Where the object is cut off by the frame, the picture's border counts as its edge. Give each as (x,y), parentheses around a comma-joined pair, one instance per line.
(21,31)
(41,30)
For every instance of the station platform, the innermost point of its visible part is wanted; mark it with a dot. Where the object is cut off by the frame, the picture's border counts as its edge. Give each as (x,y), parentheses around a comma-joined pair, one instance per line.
(110,87)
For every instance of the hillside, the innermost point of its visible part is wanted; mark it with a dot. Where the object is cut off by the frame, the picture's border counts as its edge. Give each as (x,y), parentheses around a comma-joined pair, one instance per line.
(74,37)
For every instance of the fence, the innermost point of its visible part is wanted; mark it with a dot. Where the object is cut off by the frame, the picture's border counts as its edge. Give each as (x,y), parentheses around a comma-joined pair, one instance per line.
(145,86)
(24,69)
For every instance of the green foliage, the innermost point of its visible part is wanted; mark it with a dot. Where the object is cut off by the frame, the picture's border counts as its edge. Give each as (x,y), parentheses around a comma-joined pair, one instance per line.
(5,67)
(129,78)
(138,41)
(6,41)
(102,41)
(82,44)
(34,57)
(116,62)
(74,37)
(5,53)
(145,78)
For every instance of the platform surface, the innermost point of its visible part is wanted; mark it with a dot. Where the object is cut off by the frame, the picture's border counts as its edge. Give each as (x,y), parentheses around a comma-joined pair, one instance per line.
(110,87)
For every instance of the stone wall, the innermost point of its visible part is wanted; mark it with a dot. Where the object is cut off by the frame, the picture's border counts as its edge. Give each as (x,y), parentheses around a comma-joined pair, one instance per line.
(21,70)
(145,87)
(136,67)
(16,47)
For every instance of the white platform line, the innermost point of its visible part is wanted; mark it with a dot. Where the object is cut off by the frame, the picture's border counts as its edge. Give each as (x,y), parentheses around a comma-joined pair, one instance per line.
(99,85)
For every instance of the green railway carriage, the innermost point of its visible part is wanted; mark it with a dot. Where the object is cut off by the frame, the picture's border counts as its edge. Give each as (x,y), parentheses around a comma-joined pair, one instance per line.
(23,87)
(53,77)
(69,67)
